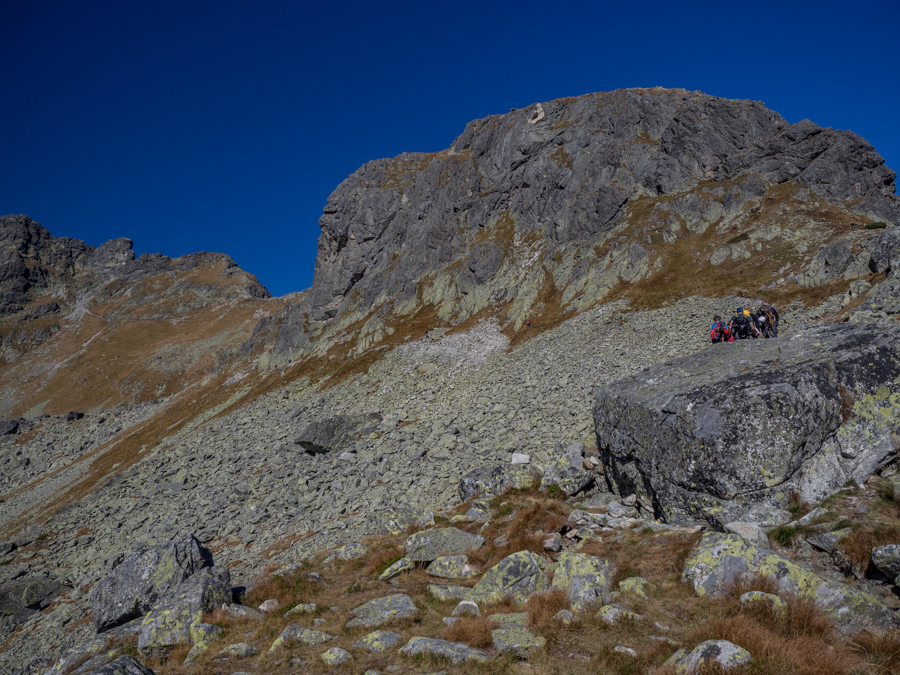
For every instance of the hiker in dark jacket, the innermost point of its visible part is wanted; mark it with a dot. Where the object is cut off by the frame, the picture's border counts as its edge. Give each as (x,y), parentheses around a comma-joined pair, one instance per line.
(740,326)
(767,320)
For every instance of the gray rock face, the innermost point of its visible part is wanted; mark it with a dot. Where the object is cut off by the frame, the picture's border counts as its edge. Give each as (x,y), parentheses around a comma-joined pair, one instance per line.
(124,665)
(741,425)
(142,578)
(429,545)
(377,611)
(545,173)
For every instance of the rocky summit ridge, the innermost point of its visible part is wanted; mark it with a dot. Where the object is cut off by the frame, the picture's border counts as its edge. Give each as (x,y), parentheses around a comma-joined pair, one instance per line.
(505,349)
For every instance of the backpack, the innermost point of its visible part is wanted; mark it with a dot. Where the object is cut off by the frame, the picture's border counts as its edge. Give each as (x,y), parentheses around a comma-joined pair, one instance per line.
(719,332)
(741,327)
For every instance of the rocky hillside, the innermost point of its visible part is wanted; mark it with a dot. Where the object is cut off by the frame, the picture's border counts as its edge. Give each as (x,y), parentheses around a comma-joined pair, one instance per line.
(510,335)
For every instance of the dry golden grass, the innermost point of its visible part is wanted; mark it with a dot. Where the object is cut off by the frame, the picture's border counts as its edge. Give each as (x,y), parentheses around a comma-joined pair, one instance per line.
(473,631)
(867,535)
(542,607)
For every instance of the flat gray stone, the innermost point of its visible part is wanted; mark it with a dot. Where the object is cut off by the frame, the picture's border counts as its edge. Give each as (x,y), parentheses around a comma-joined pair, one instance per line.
(376,612)
(429,545)
(456,652)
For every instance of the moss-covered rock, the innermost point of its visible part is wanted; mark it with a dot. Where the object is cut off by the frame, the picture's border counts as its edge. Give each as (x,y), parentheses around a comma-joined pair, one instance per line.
(517,576)
(202,634)
(516,640)
(376,612)
(377,641)
(452,567)
(756,598)
(393,570)
(724,654)
(448,593)
(584,578)
(239,650)
(613,614)
(335,656)
(718,559)
(636,585)
(295,633)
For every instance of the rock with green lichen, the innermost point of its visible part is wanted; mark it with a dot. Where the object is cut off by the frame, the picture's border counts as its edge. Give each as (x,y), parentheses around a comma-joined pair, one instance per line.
(584,578)
(305,636)
(169,623)
(451,567)
(431,544)
(757,598)
(142,578)
(516,640)
(402,565)
(335,656)
(566,471)
(510,618)
(202,635)
(719,559)
(636,585)
(712,653)
(736,426)
(565,617)
(302,608)
(377,641)
(613,614)
(456,652)
(239,650)
(517,576)
(352,551)
(376,612)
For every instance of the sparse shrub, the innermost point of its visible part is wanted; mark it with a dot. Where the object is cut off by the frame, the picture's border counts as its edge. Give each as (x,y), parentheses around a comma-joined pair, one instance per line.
(554,491)
(881,651)
(797,506)
(505,509)
(878,225)
(784,535)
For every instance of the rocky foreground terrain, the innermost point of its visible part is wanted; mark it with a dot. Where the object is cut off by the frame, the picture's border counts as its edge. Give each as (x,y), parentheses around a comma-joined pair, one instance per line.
(493,434)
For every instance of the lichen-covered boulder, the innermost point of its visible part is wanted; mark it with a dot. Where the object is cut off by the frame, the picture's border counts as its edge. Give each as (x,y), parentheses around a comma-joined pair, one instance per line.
(584,578)
(377,641)
(402,565)
(466,608)
(295,633)
(510,618)
(456,652)
(718,559)
(714,434)
(752,533)
(494,480)
(429,545)
(451,567)
(376,612)
(516,640)
(566,471)
(335,656)
(202,635)
(302,608)
(723,653)
(142,578)
(169,623)
(887,559)
(124,665)
(613,614)
(517,576)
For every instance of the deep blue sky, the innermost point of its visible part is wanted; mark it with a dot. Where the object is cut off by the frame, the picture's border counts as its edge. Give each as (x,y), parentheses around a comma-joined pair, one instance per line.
(224,126)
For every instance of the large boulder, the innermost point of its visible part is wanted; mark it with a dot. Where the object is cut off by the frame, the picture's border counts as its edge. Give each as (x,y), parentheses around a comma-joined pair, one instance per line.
(430,545)
(584,578)
(719,559)
(169,623)
(135,584)
(740,426)
(517,576)
(336,433)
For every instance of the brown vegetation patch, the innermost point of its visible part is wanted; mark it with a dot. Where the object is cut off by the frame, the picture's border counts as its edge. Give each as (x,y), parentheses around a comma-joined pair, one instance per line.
(542,607)
(474,631)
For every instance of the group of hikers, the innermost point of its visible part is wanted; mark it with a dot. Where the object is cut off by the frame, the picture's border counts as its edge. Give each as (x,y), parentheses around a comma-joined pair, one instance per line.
(746,324)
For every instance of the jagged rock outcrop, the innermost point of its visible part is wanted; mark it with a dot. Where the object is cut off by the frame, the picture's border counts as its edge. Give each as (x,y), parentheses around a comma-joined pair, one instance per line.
(524,211)
(742,425)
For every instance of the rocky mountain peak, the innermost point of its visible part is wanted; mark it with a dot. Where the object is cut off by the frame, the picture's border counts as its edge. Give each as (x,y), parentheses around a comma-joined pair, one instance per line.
(549,209)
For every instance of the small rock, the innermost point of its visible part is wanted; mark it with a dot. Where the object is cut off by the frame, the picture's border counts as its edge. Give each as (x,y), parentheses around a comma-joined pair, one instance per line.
(613,614)
(335,656)
(726,655)
(466,608)
(636,585)
(520,458)
(565,617)
(377,611)
(402,565)
(628,651)
(758,597)
(516,640)
(456,652)
(752,533)
(451,567)
(302,608)
(448,593)
(240,650)
(295,633)
(270,605)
